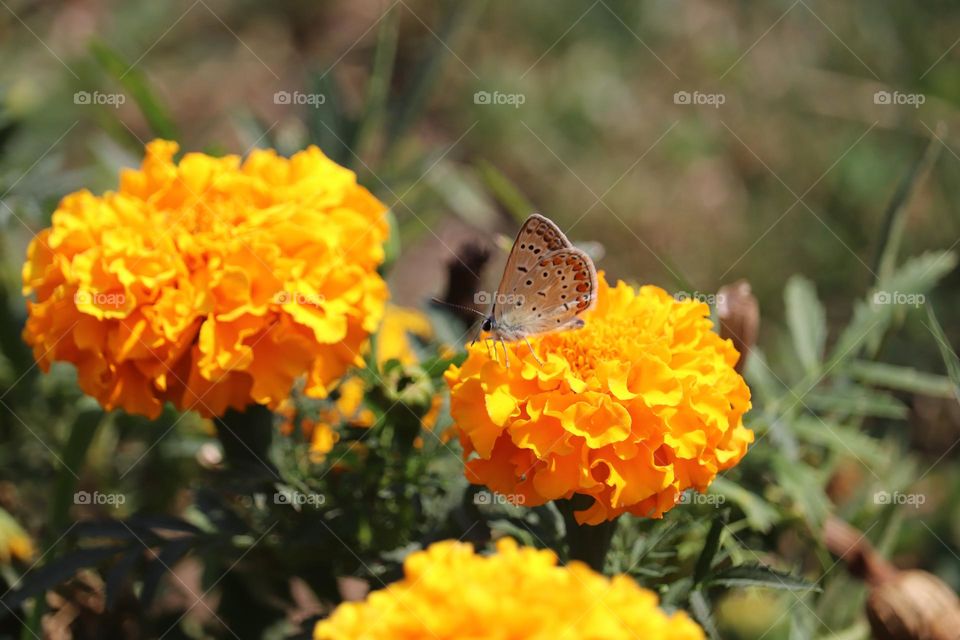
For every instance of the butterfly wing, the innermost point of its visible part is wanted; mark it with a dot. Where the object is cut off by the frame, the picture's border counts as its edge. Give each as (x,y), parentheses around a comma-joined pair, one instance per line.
(537,237)
(552,294)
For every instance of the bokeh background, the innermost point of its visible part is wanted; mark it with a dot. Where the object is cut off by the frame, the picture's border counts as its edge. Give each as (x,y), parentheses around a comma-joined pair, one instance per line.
(690,143)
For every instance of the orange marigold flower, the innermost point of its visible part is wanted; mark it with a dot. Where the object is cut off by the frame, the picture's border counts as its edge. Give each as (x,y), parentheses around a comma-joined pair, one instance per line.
(634,408)
(449,592)
(211,283)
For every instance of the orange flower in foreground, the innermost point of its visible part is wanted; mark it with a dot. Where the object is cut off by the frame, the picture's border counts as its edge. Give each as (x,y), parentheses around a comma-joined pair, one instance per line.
(210,283)
(448,592)
(633,409)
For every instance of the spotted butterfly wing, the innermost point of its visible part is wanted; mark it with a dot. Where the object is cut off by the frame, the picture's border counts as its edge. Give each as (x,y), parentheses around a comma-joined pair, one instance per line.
(546,284)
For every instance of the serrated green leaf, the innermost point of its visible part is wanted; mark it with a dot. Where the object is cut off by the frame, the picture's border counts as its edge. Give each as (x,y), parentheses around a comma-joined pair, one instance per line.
(758,575)
(916,277)
(949,356)
(701,610)
(900,378)
(49,575)
(856,401)
(841,439)
(807,320)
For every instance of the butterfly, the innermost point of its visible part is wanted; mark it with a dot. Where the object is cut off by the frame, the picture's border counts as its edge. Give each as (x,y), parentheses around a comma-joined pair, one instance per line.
(546,285)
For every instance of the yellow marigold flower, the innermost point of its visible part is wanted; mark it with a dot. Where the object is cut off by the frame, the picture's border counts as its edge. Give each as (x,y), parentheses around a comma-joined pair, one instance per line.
(393,339)
(210,283)
(633,409)
(14,541)
(448,592)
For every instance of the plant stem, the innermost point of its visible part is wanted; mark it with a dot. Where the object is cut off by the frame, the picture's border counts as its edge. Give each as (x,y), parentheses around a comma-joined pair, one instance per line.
(246,436)
(587,543)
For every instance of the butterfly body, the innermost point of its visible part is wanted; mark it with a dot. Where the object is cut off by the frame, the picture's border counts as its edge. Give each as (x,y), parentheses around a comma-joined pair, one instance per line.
(547,283)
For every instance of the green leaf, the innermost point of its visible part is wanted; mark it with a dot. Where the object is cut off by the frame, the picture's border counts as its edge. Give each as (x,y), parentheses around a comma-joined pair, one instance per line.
(428,69)
(758,575)
(802,484)
(760,514)
(710,547)
(134,81)
(330,127)
(807,320)
(840,439)
(899,378)
(916,277)
(39,580)
(946,351)
(505,191)
(701,610)
(895,217)
(161,564)
(378,86)
(856,401)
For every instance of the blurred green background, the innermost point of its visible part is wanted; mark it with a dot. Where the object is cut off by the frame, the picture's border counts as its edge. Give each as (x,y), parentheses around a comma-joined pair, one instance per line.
(783,161)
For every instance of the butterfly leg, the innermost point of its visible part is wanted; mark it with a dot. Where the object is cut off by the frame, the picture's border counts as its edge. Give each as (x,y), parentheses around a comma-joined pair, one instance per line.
(532,352)
(506,356)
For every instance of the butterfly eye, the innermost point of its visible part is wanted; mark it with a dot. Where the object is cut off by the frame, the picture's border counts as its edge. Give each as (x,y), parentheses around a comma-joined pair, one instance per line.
(487,325)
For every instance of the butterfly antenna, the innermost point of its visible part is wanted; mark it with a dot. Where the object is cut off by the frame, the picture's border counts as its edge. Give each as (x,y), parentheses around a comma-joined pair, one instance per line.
(532,352)
(458,306)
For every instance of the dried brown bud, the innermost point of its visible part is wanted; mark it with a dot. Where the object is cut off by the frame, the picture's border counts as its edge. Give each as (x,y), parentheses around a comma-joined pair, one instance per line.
(914,605)
(902,605)
(739,316)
